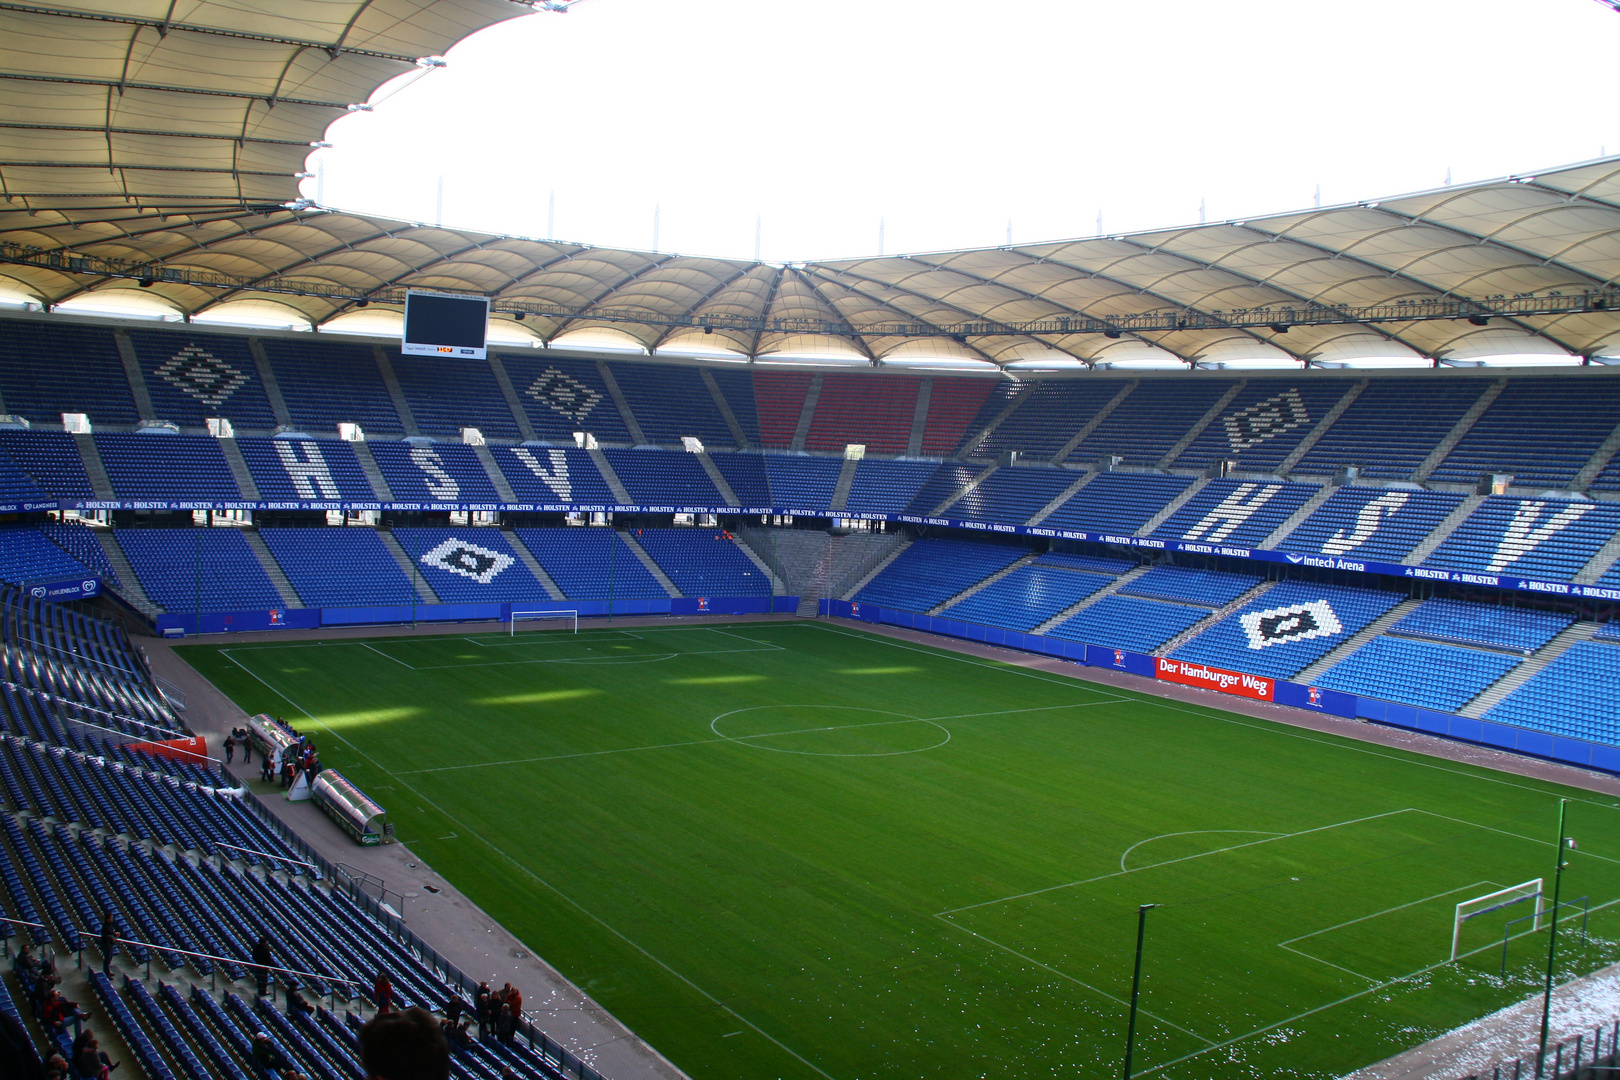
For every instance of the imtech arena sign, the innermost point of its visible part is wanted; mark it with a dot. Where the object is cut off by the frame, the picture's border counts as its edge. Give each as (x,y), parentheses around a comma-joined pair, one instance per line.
(1212,678)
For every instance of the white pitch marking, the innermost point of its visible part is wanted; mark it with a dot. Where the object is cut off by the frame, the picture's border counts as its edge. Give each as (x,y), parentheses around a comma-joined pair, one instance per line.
(1189,832)
(1351,922)
(1171,862)
(588,913)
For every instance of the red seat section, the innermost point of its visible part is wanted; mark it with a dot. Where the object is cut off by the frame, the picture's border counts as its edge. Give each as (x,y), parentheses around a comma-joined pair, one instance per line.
(863,409)
(779,399)
(951,408)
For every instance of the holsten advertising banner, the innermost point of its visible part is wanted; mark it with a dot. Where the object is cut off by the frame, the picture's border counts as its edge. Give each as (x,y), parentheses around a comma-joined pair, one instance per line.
(1213,678)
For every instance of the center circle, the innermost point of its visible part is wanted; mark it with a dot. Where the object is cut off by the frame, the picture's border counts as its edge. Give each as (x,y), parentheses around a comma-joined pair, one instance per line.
(829,730)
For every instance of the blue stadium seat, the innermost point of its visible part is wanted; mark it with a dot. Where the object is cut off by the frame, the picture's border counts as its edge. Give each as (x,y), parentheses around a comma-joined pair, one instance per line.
(801,482)
(470,565)
(1577,695)
(881,486)
(1236,512)
(51,368)
(1544,538)
(1374,524)
(747,476)
(1149,422)
(1393,425)
(166,466)
(553,475)
(703,562)
(1491,625)
(445,396)
(327,383)
(1046,420)
(1262,425)
(339,567)
(664,477)
(1419,673)
(931,571)
(590,563)
(443,472)
(192,376)
(1541,430)
(670,402)
(562,396)
(198,569)
(305,469)
(52,459)
(26,554)
(1121,622)
(1211,588)
(1012,496)
(1026,597)
(1117,502)
(1284,629)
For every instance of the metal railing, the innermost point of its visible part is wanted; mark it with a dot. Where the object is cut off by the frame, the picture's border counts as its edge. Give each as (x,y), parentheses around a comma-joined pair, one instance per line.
(266,854)
(1586,1057)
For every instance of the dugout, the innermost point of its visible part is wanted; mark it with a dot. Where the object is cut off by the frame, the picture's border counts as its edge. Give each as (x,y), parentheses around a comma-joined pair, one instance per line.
(269,735)
(350,807)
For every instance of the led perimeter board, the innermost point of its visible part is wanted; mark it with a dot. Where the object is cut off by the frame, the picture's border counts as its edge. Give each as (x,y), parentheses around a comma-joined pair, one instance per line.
(445,324)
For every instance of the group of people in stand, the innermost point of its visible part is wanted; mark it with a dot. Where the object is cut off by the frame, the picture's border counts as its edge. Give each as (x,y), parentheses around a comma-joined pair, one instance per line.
(72,1060)
(239,737)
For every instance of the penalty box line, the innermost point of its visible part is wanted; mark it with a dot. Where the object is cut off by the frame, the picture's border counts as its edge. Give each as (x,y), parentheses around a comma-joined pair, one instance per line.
(1171,862)
(524,869)
(1377,914)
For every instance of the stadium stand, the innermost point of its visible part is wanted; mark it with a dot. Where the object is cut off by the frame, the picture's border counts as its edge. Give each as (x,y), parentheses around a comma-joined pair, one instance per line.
(703,562)
(167,466)
(1241,513)
(1026,597)
(664,476)
(16,485)
(1013,496)
(806,482)
(590,564)
(1046,420)
(329,383)
(339,567)
(1419,673)
(470,565)
(746,473)
(931,571)
(1489,625)
(52,459)
(51,368)
(880,485)
(1263,424)
(1286,628)
(1610,631)
(873,410)
(1534,537)
(562,396)
(191,377)
(1383,524)
(737,387)
(1122,622)
(944,482)
(1392,426)
(1117,502)
(26,554)
(443,400)
(79,542)
(670,402)
(552,475)
(1541,430)
(1211,588)
(305,469)
(443,472)
(952,405)
(1145,426)
(1577,695)
(1102,564)
(198,569)
(778,403)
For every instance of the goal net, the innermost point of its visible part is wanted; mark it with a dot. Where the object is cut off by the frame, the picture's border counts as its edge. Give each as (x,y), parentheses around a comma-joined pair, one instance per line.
(560,620)
(1529,891)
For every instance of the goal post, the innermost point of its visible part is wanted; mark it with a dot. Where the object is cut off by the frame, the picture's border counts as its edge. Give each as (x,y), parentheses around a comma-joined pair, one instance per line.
(1497,901)
(571,618)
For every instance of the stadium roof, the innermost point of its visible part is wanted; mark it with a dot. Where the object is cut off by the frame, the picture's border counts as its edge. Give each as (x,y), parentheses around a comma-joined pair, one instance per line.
(158,144)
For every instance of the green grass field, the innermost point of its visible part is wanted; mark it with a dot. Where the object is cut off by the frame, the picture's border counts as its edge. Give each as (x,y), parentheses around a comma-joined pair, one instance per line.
(799,850)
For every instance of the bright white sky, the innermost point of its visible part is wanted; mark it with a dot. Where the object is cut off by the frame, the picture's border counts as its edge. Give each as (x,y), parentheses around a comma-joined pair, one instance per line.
(947,118)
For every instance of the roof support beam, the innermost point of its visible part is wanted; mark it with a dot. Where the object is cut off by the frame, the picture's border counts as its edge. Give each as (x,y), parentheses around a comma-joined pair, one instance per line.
(164,26)
(97,129)
(69,80)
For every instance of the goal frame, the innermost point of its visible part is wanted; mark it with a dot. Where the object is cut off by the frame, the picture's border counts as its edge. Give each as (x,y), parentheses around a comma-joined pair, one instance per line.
(1497,901)
(537,616)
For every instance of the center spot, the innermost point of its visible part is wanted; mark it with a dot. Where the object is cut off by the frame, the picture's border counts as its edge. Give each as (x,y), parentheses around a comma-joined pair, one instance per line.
(829,730)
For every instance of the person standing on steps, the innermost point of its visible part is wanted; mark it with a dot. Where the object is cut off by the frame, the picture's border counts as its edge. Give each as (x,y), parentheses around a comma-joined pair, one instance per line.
(109,941)
(262,961)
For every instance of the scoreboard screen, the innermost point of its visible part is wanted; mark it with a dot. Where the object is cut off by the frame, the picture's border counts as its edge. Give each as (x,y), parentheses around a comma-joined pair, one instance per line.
(445,324)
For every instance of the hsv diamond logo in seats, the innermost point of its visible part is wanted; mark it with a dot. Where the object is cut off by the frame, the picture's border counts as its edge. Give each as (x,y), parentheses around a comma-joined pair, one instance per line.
(468,559)
(199,373)
(562,393)
(1266,420)
(1296,622)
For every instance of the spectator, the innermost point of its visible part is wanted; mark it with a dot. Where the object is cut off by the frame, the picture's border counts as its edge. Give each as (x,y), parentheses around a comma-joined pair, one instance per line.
(55,1011)
(409,1045)
(456,1034)
(514,998)
(230,746)
(296,1002)
(383,994)
(90,1059)
(506,1026)
(247,746)
(56,1068)
(109,941)
(483,1010)
(266,1058)
(452,1008)
(262,961)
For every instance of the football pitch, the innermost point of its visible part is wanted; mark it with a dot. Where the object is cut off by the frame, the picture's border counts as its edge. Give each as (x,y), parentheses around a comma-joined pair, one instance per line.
(800,850)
